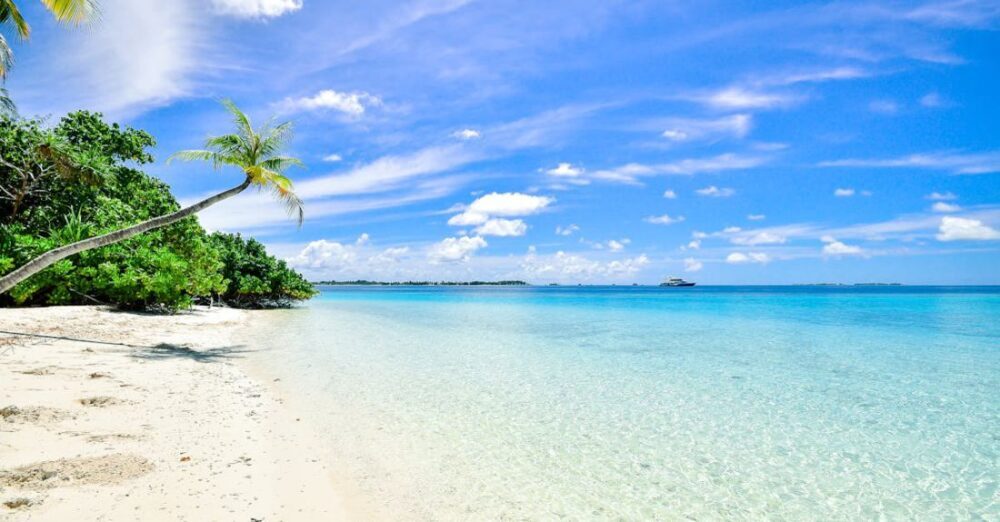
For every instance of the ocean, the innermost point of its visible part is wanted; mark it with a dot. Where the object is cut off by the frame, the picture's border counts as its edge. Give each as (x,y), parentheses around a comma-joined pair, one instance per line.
(645,403)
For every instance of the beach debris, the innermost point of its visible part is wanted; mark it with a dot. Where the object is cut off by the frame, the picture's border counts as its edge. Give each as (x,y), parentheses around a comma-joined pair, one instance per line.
(18,503)
(109,469)
(186,458)
(107,437)
(100,375)
(100,402)
(31,415)
(38,371)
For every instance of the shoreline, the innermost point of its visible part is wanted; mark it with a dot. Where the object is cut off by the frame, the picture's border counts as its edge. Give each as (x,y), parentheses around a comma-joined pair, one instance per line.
(108,415)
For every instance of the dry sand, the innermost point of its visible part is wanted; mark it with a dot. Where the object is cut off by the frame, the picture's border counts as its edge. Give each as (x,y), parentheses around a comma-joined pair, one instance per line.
(115,416)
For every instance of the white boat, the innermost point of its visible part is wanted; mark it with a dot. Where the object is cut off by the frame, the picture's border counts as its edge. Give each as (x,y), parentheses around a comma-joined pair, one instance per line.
(676,281)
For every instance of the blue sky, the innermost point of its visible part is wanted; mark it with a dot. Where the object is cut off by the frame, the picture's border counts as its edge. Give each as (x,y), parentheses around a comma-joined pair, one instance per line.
(583,141)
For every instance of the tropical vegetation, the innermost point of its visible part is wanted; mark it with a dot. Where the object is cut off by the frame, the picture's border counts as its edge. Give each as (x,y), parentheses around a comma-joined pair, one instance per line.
(80,180)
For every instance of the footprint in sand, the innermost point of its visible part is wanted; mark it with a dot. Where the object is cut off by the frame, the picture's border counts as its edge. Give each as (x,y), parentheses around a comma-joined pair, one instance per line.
(100,402)
(32,415)
(109,469)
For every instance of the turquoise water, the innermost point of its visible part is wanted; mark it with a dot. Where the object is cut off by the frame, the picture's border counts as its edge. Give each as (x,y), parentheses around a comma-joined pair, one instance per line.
(794,403)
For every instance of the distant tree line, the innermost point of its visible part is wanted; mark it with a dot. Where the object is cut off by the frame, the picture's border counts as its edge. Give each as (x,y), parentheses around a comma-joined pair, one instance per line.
(365,282)
(80,179)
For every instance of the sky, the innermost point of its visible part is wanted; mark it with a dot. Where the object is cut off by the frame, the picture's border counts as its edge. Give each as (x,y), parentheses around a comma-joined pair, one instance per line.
(584,141)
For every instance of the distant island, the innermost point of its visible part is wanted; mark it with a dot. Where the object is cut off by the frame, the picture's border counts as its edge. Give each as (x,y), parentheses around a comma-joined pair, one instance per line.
(365,282)
(849,284)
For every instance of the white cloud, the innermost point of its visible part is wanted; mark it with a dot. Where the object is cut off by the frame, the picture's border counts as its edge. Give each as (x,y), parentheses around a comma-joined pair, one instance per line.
(843,192)
(618,246)
(756,217)
(468,218)
(692,265)
(502,228)
(562,266)
(731,230)
(352,104)
(742,98)
(390,255)
(510,204)
(884,107)
(932,100)
(332,158)
(665,219)
(759,238)
(670,194)
(452,249)
(324,254)
(737,258)
(565,170)
(466,134)
(567,230)
(675,135)
(694,244)
(837,248)
(939,196)
(943,207)
(977,163)
(256,8)
(957,229)
(716,192)
(680,129)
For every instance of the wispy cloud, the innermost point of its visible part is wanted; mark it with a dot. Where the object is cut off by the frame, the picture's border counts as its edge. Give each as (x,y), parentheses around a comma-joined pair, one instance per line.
(687,129)
(388,172)
(140,54)
(256,8)
(958,163)
(632,172)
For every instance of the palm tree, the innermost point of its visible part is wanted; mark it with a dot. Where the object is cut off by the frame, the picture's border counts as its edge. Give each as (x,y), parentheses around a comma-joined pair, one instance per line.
(72,11)
(254,152)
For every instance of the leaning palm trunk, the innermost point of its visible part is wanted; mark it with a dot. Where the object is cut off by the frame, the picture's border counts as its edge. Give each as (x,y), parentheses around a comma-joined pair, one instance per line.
(55,255)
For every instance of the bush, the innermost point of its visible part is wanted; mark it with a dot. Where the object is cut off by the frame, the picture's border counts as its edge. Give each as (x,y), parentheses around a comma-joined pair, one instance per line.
(256,279)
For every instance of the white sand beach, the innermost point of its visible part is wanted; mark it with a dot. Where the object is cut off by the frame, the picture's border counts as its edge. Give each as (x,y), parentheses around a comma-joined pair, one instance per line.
(106,415)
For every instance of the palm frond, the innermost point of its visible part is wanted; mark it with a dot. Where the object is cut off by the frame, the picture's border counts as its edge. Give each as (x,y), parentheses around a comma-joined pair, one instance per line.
(228,144)
(194,155)
(7,107)
(292,203)
(240,118)
(281,163)
(274,138)
(9,14)
(73,11)
(6,57)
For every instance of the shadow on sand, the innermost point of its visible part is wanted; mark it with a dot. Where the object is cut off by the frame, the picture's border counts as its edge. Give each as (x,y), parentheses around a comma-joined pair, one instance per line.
(159,352)
(165,351)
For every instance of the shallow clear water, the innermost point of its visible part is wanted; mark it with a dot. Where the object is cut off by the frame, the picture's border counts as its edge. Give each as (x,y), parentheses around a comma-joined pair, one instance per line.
(647,403)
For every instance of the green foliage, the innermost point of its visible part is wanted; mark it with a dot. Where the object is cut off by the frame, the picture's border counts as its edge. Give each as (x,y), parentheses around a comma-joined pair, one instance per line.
(84,182)
(256,279)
